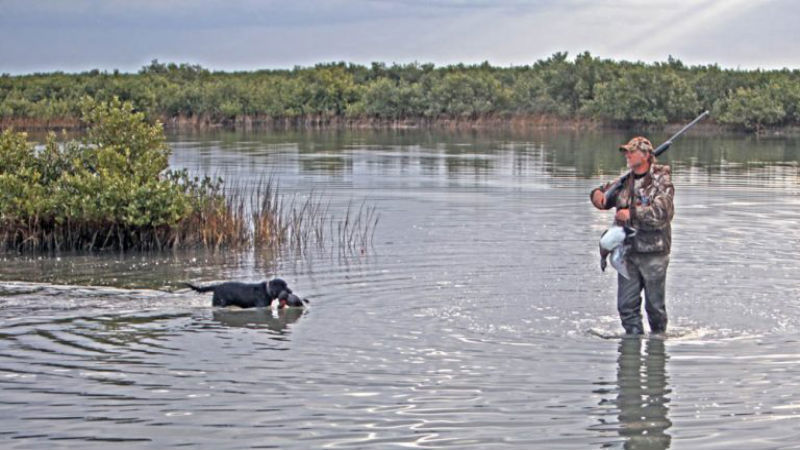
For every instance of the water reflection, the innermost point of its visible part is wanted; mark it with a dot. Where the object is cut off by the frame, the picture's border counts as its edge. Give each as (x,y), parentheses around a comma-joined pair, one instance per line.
(152,270)
(275,320)
(477,223)
(642,400)
(559,154)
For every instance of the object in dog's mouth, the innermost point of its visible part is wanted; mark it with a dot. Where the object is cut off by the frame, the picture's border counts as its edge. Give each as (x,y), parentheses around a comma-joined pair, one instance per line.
(289,300)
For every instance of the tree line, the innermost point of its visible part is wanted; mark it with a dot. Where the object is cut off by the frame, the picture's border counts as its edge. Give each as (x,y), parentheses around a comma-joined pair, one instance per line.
(619,93)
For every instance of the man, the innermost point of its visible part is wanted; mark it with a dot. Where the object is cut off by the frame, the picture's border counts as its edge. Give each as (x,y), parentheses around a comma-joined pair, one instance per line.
(645,204)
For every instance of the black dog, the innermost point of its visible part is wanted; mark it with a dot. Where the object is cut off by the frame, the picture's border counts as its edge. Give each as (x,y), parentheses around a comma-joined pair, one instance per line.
(251,295)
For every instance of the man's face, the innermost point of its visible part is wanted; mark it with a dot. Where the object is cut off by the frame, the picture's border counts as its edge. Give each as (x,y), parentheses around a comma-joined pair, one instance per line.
(636,159)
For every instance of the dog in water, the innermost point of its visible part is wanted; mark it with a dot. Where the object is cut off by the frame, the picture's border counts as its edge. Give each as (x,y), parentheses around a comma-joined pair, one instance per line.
(251,295)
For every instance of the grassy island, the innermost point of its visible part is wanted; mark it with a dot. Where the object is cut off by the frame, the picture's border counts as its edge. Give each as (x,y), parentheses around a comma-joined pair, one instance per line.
(113,190)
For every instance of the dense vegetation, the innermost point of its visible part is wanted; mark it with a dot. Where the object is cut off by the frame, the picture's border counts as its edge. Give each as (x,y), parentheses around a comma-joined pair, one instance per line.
(618,93)
(113,190)
(110,190)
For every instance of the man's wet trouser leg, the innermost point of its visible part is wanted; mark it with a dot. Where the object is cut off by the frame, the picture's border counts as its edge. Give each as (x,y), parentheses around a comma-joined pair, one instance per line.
(648,272)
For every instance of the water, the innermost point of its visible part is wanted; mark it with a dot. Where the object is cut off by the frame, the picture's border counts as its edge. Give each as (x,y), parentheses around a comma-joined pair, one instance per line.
(479,318)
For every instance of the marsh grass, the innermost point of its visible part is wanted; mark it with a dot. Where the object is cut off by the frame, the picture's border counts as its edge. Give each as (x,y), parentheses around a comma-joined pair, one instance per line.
(302,223)
(236,218)
(356,230)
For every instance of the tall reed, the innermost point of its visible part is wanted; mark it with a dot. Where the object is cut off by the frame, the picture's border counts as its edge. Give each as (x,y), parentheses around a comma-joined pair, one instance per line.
(302,223)
(238,219)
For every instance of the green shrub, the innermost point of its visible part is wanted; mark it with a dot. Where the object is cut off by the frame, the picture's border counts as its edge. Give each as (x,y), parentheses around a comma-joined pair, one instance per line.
(751,108)
(114,183)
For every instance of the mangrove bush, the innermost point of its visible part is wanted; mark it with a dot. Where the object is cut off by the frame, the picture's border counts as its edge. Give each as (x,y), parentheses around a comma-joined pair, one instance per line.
(113,190)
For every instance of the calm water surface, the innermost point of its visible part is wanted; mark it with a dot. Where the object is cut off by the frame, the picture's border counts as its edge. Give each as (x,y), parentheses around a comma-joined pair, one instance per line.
(479,319)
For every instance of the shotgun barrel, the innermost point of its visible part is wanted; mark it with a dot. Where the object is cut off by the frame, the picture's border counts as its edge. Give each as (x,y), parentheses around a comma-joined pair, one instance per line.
(611,192)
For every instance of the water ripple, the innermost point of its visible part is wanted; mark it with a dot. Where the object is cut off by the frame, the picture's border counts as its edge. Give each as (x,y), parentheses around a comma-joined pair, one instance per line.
(479,319)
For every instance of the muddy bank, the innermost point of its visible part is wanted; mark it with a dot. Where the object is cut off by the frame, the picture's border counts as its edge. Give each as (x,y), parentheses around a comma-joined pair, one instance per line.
(515,122)
(31,124)
(323,122)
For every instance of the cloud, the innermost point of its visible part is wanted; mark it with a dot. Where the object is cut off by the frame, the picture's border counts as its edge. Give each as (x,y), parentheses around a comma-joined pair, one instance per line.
(685,22)
(222,13)
(249,34)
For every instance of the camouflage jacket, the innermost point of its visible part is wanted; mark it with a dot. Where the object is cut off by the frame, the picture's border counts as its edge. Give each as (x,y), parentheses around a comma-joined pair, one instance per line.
(651,209)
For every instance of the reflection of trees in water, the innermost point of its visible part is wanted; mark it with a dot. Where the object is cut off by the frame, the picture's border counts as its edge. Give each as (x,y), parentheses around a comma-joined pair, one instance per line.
(553,152)
(641,397)
(327,163)
(139,270)
(275,320)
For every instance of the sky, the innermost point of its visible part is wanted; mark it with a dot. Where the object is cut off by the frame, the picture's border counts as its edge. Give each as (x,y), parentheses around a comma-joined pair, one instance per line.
(230,35)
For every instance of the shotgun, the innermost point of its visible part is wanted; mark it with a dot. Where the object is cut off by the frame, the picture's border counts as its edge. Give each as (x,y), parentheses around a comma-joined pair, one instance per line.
(611,193)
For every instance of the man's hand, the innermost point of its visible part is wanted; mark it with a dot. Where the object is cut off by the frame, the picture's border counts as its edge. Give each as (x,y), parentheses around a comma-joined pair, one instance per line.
(598,199)
(623,215)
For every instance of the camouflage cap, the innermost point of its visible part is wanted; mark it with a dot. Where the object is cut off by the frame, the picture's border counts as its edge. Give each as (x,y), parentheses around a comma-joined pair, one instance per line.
(638,143)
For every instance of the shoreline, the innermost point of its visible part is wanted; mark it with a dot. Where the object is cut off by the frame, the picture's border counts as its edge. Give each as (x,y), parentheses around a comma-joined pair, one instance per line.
(515,123)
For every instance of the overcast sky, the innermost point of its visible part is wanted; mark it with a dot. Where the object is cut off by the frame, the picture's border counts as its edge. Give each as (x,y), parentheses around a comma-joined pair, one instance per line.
(79,35)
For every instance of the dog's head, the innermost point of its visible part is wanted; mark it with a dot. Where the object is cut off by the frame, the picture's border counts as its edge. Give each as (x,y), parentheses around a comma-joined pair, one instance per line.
(275,287)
